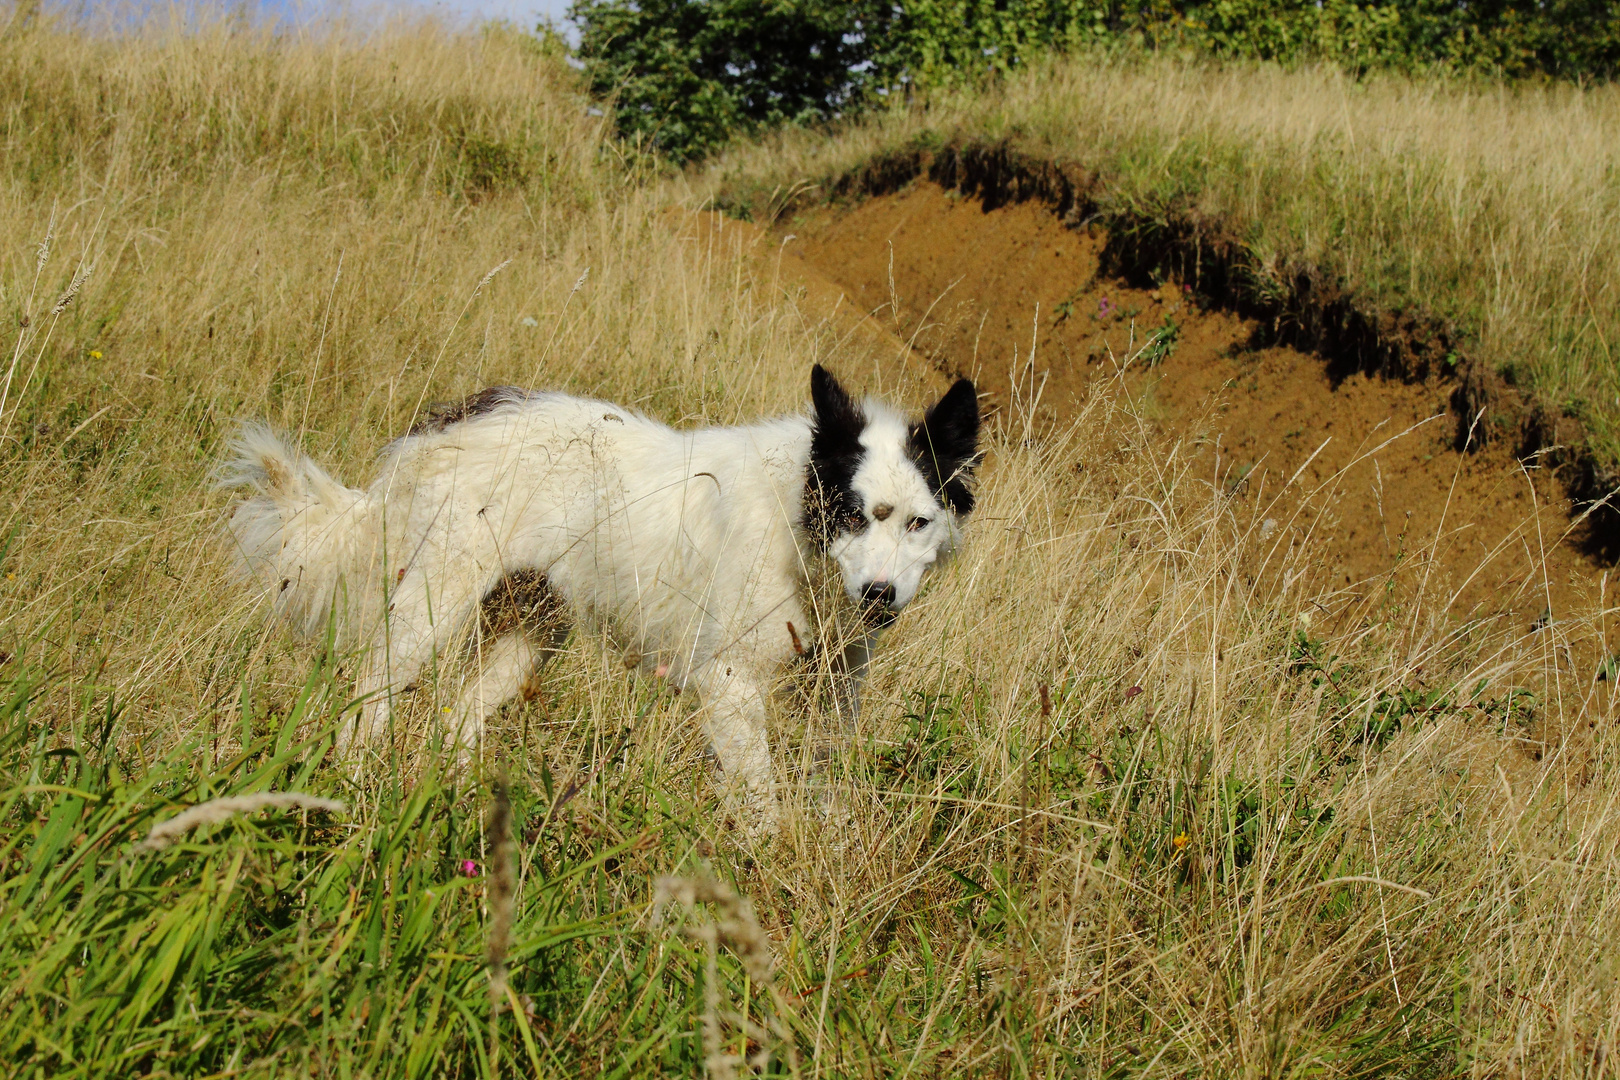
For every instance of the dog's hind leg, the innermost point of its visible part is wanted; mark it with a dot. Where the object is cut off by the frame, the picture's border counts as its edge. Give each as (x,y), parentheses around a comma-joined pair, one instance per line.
(506,668)
(423,618)
(520,626)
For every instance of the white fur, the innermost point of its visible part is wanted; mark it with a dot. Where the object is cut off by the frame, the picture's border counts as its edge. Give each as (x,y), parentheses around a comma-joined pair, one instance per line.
(689,543)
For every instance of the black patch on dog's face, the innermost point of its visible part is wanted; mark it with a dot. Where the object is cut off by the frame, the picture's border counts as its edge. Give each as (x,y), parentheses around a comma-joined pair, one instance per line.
(830,504)
(444,414)
(945,446)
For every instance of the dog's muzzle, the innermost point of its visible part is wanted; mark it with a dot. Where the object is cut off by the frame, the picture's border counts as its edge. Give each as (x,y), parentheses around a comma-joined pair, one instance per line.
(877,605)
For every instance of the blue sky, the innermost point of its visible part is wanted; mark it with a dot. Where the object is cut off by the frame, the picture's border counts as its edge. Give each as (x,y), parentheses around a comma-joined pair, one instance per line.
(523,12)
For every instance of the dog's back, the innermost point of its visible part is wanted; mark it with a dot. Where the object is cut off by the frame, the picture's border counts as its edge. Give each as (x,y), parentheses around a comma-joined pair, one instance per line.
(666,533)
(663,532)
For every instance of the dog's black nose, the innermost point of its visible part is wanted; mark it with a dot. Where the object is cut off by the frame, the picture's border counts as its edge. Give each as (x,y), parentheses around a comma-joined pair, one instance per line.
(879,595)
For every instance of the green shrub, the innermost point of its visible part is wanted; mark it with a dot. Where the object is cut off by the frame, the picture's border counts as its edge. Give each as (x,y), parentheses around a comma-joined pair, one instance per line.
(687,75)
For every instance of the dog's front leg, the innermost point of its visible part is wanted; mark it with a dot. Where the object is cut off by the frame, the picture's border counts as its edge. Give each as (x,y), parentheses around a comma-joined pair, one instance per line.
(848,673)
(734,707)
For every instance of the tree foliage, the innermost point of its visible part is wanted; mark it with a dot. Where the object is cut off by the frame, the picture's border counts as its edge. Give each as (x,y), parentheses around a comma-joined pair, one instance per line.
(686,75)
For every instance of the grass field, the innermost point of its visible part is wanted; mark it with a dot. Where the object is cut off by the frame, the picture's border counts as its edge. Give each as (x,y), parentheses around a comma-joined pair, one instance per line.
(1124,803)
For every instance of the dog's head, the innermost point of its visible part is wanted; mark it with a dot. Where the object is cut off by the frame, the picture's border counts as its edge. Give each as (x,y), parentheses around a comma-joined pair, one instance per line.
(885,496)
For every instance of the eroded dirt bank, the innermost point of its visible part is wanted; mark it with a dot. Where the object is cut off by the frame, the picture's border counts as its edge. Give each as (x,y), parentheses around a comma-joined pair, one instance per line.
(1017,299)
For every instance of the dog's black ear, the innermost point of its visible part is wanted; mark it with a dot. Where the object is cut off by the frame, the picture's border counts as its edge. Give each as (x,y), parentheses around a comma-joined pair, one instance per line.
(835,455)
(838,419)
(945,445)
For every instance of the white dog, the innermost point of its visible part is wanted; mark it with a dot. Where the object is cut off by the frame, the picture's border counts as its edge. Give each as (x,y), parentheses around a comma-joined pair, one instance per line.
(497,517)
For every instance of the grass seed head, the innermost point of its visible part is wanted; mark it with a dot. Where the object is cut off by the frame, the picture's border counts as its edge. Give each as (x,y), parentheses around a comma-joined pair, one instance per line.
(80,276)
(503,883)
(216,810)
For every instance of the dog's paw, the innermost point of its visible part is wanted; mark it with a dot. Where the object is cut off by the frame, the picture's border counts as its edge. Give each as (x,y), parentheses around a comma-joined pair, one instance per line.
(833,810)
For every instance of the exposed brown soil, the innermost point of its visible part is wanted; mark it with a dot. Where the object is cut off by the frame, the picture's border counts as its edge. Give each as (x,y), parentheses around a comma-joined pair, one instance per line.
(983,290)
(821,301)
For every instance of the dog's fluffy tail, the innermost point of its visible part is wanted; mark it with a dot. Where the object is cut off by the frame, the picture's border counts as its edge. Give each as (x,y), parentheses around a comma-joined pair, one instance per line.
(307,539)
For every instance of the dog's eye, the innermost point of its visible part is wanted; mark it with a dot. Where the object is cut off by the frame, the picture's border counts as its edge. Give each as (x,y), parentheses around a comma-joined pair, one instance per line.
(917,524)
(855,521)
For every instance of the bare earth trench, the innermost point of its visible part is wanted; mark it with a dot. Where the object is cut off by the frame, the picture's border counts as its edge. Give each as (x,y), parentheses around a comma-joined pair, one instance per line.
(1388,502)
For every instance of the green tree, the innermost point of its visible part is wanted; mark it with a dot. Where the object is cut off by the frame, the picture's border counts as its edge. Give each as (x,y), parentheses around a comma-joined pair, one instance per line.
(686,75)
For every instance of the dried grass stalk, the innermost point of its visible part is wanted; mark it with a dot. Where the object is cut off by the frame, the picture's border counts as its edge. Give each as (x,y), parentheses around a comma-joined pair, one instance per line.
(502,890)
(738,927)
(80,276)
(167,832)
(487,278)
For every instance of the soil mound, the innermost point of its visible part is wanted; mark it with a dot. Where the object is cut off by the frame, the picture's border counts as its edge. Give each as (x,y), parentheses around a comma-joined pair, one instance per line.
(1014,298)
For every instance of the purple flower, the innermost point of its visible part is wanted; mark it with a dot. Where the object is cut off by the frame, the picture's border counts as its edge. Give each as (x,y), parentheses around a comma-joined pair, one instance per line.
(469,868)
(1103,306)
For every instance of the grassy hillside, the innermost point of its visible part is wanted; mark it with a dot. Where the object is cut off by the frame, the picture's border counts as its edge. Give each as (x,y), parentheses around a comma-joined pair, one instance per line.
(1123,804)
(1483,214)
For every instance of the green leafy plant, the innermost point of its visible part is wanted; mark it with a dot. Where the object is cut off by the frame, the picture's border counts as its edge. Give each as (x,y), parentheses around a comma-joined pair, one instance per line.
(1162,344)
(291,936)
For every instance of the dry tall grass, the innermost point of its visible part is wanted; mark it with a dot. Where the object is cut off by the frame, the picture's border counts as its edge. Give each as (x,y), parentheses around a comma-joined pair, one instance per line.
(1125,800)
